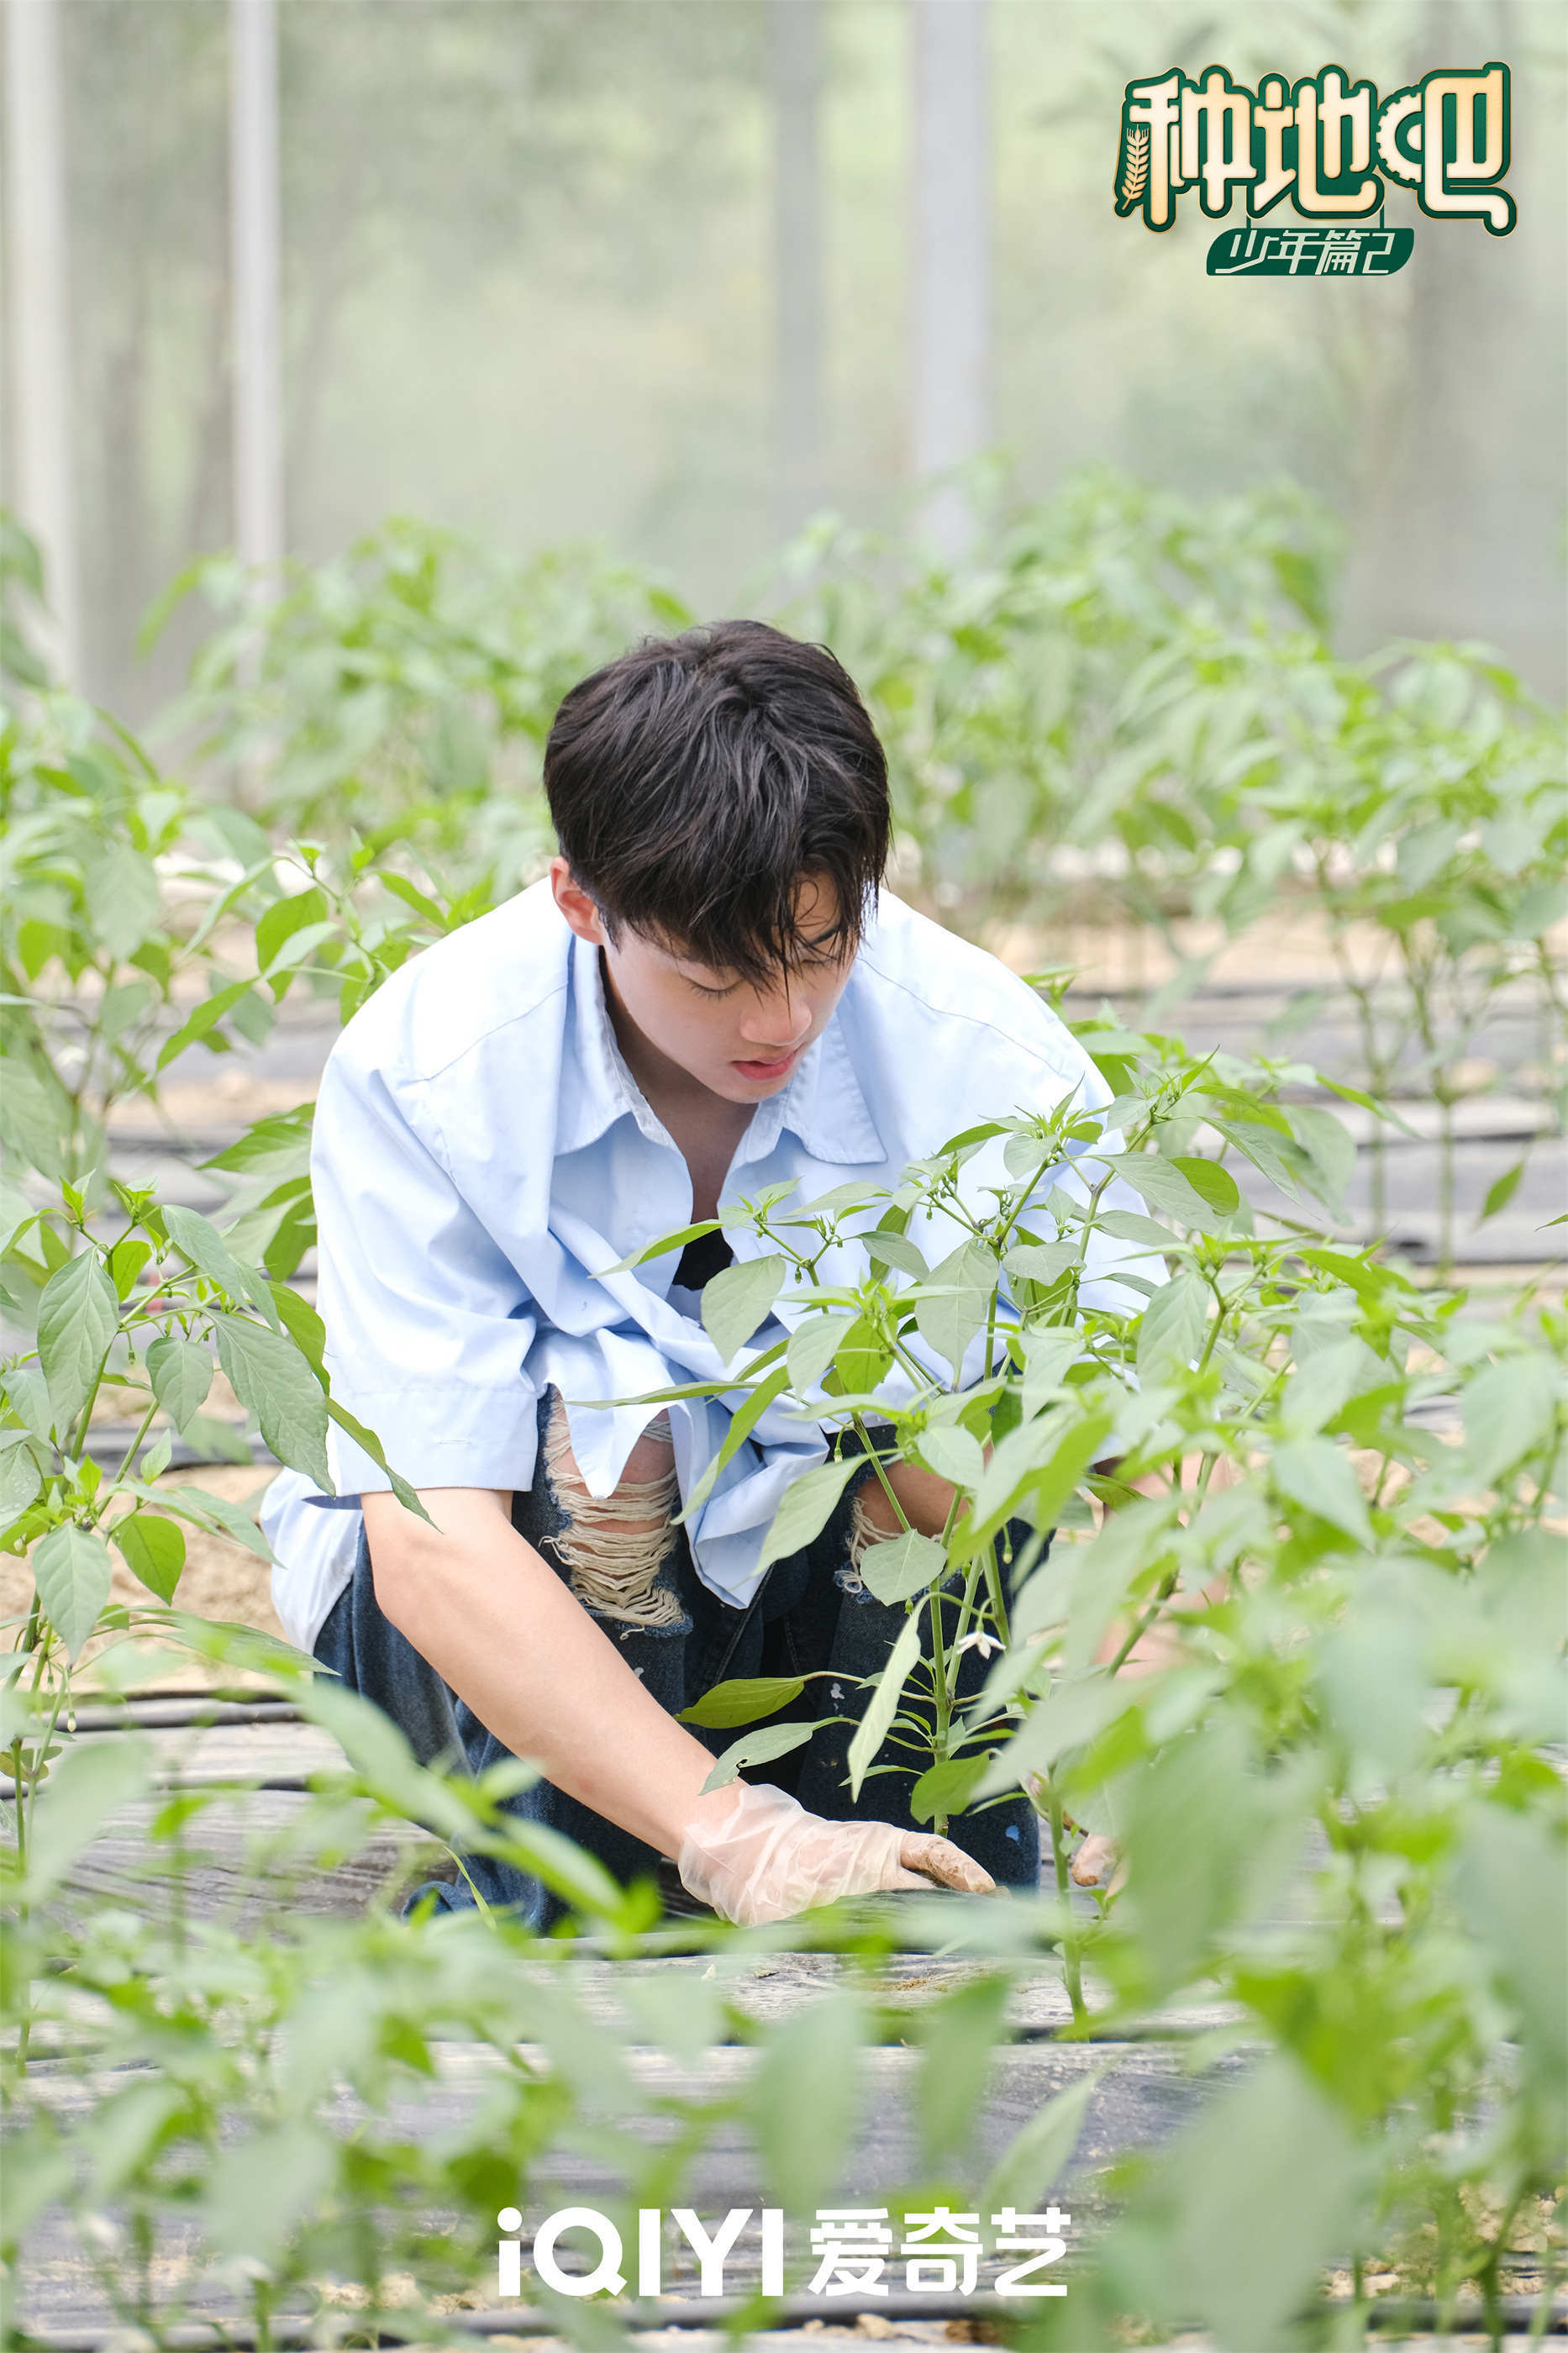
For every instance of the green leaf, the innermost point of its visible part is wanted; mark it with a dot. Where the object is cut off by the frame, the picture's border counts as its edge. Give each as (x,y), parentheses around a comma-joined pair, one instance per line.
(1328,1145)
(1319,1475)
(1279,1158)
(1500,1194)
(16,1213)
(158,1457)
(1019,1482)
(883,1704)
(807,2101)
(302,1322)
(1171,1329)
(1517,1897)
(78,1315)
(662,1248)
(20,1481)
(1038,2155)
(206,1015)
(154,1549)
(741,1424)
(1264,2185)
(957,2036)
(946,1788)
(1382,1111)
(896,1250)
(217,1440)
(121,894)
(279,1146)
(257,2193)
(568,1870)
(742,1701)
(949,1317)
(1190,1820)
(37,1118)
(1509,1411)
(279,922)
(1125,1227)
(274,1381)
(72,1569)
(126,1261)
(27,1393)
(757,1748)
(199,1240)
(737,1301)
(1047,1356)
(955,1453)
(1320,1388)
(372,1445)
(1161,1184)
(1044,1262)
(901,1566)
(812,1348)
(807,1507)
(420,901)
(181,1372)
(1070,1717)
(862,1360)
(1213,1185)
(92,1780)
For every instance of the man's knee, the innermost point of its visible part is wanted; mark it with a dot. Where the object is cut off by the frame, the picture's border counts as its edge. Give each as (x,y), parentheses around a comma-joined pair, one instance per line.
(615,1545)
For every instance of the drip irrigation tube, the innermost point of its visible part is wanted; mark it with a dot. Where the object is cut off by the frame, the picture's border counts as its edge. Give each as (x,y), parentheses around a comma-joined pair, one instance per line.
(1518,2313)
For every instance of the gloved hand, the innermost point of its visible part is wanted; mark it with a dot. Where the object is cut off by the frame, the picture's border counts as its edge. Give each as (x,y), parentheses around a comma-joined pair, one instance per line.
(767,1859)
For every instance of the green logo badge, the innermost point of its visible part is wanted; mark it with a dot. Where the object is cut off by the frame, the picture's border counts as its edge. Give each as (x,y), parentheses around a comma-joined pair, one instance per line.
(1310,252)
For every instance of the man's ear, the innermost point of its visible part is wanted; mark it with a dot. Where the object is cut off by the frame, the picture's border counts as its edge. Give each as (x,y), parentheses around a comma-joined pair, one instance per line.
(575,904)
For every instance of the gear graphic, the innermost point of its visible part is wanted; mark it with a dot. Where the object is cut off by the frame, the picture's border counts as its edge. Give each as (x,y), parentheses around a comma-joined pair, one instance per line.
(1393,157)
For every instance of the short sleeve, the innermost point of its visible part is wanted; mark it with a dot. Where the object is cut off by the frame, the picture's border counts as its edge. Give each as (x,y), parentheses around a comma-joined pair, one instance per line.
(428,1322)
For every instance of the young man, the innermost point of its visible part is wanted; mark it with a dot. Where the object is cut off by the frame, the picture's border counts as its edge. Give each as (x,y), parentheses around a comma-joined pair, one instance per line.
(708,995)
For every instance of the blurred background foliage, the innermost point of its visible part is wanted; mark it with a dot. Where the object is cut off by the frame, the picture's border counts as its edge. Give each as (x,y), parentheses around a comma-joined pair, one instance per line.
(529,291)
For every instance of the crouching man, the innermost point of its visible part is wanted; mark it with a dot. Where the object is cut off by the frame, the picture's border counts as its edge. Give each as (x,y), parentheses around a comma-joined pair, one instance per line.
(708,995)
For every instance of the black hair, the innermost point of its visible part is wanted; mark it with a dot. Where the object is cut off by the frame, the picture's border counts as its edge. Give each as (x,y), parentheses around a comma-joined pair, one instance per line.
(697,781)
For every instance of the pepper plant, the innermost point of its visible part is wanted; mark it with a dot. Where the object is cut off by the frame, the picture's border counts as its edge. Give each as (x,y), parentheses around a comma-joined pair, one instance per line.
(1295,1645)
(1417,802)
(149,1314)
(413,680)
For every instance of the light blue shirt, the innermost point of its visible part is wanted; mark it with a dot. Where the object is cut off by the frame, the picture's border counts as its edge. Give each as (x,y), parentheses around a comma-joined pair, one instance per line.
(482,1156)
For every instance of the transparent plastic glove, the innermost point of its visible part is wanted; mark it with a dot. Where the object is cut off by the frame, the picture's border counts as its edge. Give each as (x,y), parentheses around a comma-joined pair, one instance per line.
(768,1859)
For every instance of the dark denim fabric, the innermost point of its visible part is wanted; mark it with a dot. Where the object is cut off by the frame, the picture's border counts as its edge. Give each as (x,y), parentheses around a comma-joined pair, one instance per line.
(809,1615)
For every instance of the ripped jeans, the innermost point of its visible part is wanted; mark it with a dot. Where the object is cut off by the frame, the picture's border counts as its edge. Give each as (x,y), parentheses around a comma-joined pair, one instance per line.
(811,1613)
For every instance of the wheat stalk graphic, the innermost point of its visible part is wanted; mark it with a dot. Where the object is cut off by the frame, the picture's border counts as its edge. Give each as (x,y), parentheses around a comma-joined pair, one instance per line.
(1134,169)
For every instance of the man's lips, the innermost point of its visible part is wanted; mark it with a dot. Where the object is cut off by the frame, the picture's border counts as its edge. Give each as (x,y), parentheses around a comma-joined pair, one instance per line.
(775,1069)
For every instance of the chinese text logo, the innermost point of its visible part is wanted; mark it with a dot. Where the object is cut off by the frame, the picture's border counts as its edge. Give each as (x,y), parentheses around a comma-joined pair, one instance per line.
(1446,137)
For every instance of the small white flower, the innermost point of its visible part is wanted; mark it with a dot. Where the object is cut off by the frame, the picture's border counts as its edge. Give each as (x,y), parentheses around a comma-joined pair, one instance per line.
(978,1640)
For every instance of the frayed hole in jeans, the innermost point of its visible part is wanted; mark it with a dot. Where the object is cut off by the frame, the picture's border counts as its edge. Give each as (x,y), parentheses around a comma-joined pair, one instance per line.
(612,1547)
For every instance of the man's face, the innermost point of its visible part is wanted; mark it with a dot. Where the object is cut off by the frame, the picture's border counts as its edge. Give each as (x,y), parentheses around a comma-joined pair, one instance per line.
(741,1040)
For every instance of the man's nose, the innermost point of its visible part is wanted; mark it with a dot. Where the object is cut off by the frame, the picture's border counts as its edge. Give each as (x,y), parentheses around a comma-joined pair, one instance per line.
(778,1019)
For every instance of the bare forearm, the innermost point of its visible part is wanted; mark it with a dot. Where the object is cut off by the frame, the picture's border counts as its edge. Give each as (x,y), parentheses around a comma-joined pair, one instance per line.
(496,1622)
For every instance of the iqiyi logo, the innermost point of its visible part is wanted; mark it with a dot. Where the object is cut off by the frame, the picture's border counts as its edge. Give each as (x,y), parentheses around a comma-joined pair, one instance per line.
(1328,144)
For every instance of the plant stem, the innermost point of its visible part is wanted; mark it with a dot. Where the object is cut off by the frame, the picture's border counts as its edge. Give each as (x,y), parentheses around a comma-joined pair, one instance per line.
(1071,1972)
(858,1419)
(130,1451)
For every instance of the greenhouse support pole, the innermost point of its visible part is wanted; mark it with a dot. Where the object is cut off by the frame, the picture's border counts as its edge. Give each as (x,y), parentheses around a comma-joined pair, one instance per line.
(38,318)
(255,240)
(797,261)
(952,307)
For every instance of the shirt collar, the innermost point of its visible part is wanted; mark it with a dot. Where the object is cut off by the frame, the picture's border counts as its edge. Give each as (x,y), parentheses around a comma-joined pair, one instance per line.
(823,1104)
